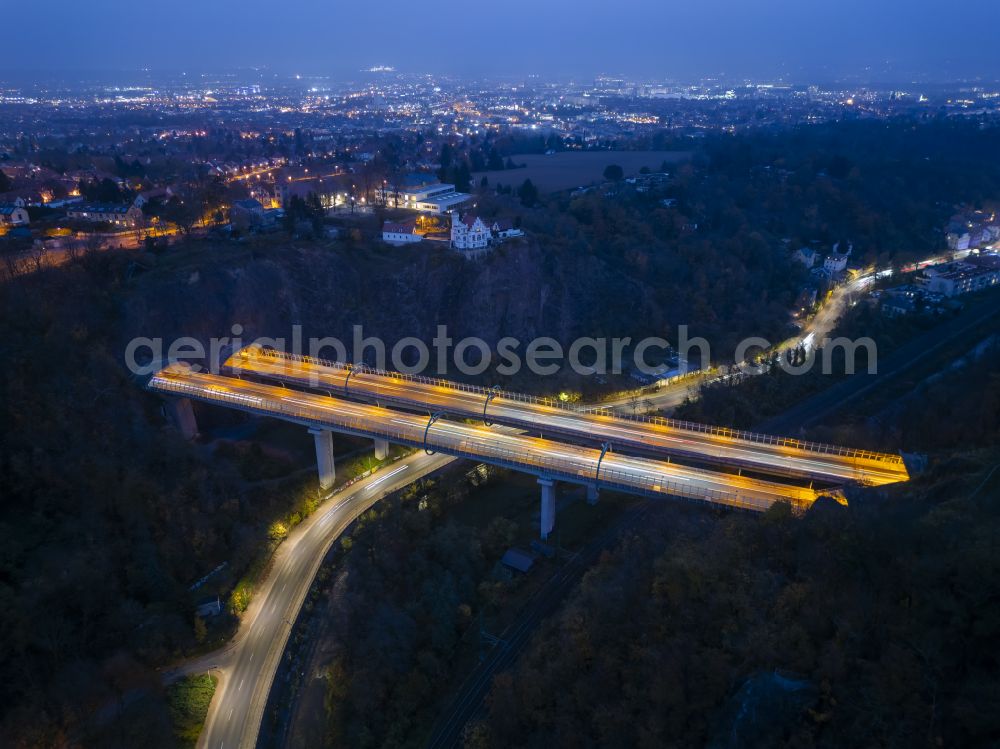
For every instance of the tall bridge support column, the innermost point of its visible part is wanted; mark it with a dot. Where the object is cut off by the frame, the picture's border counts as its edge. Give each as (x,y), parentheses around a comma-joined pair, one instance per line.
(324,457)
(547,520)
(181,413)
(592,494)
(381,449)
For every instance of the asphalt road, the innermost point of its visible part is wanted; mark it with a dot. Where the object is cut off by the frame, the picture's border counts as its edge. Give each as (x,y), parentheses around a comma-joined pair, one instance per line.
(957,334)
(552,459)
(247,666)
(661,438)
(812,334)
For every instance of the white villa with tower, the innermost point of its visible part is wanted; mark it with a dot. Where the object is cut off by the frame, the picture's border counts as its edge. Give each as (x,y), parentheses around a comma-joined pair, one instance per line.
(471,232)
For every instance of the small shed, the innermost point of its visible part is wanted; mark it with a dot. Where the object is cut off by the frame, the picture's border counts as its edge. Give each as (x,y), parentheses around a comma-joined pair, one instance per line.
(517,560)
(209,607)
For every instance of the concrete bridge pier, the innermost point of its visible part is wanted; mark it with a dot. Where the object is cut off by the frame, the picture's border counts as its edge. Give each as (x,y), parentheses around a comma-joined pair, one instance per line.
(381,449)
(324,457)
(592,494)
(181,414)
(548,515)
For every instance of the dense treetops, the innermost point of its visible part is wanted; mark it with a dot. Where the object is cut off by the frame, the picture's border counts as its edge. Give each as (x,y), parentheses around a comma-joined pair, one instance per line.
(107,518)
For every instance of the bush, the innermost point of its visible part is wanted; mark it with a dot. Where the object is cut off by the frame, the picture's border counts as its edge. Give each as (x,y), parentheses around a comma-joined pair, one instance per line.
(188,701)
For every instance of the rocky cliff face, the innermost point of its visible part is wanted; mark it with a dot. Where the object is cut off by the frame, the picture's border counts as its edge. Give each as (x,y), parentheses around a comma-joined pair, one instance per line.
(518,291)
(561,289)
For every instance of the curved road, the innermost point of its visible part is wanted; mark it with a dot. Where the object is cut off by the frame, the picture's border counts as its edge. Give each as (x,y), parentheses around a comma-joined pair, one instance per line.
(812,334)
(247,666)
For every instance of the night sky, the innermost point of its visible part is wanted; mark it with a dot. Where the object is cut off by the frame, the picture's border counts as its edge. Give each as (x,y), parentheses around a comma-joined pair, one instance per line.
(800,40)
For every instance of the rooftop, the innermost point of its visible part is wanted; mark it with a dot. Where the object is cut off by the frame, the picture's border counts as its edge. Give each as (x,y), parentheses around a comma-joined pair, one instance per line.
(399,227)
(101,208)
(517,559)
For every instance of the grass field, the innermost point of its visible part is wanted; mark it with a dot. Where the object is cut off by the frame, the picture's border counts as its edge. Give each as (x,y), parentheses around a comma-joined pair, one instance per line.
(571,169)
(188,700)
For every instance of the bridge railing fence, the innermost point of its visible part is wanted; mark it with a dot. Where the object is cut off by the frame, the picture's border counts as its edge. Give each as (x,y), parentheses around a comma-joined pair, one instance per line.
(419,379)
(755,437)
(759,438)
(581,470)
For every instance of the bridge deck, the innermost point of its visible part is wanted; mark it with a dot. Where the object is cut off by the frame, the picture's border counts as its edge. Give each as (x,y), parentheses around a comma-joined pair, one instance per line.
(531,454)
(764,453)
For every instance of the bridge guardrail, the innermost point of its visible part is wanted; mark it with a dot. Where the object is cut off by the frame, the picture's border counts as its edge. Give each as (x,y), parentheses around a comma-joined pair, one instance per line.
(758,437)
(691,426)
(470,446)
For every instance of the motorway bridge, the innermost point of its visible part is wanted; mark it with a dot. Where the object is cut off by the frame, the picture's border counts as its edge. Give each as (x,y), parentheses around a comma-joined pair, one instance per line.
(656,437)
(487,426)
(593,450)
(550,460)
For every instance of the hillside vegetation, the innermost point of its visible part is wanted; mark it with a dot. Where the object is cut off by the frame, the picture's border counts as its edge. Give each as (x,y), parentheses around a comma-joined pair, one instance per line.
(108,517)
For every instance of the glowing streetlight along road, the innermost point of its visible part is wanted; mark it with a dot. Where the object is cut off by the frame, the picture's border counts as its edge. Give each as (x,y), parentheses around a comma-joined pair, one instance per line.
(248,665)
(812,335)
(542,457)
(764,453)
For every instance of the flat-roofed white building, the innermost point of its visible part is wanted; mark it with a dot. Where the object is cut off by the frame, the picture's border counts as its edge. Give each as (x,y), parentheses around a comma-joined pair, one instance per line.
(424,194)
(954,279)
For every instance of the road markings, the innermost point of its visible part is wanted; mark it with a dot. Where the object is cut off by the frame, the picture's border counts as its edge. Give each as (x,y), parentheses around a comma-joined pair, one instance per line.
(389,475)
(241,685)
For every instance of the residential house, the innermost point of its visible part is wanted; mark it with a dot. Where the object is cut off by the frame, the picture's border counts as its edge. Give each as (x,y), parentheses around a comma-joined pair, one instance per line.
(959,241)
(124,214)
(908,299)
(272,219)
(13,215)
(65,202)
(836,262)
(503,228)
(26,197)
(806,256)
(158,193)
(898,306)
(208,607)
(402,232)
(972,229)
(469,233)
(246,214)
